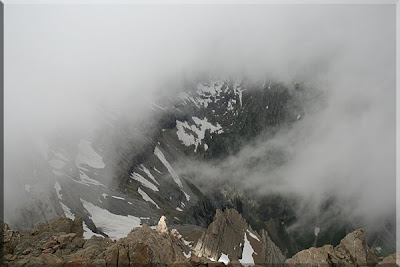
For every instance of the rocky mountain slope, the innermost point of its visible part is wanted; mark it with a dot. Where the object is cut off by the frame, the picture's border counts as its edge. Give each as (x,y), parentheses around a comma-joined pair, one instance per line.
(123,175)
(229,240)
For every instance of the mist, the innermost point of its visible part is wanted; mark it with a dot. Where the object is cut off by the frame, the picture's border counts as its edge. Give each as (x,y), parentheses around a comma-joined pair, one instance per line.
(66,64)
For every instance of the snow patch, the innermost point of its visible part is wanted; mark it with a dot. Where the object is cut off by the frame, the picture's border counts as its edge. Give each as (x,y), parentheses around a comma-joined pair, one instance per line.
(316,231)
(57,173)
(57,187)
(148,173)
(157,170)
(87,180)
(147,198)
(238,90)
(247,255)
(121,198)
(224,258)
(87,155)
(67,211)
(187,138)
(187,243)
(157,106)
(57,164)
(137,177)
(87,233)
(115,226)
(194,134)
(174,175)
(188,255)
(61,156)
(164,161)
(253,235)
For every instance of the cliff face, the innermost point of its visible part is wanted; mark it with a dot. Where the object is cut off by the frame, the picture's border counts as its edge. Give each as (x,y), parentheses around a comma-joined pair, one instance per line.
(228,240)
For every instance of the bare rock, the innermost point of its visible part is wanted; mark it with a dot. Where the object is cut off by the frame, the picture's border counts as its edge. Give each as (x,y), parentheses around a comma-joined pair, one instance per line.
(77,227)
(66,238)
(111,255)
(224,235)
(355,245)
(176,234)
(352,251)
(78,263)
(162,225)
(144,245)
(11,239)
(59,225)
(227,234)
(313,256)
(389,261)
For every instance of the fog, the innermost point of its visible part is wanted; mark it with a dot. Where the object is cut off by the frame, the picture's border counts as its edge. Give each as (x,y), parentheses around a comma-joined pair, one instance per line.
(66,63)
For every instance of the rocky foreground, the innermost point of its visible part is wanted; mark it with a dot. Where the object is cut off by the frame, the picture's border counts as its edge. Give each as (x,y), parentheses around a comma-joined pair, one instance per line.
(229,240)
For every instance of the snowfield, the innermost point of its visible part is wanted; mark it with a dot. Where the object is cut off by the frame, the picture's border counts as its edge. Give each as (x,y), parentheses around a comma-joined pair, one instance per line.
(115,226)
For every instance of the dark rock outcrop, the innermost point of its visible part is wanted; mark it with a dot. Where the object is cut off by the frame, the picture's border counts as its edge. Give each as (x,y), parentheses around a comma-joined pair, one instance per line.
(228,236)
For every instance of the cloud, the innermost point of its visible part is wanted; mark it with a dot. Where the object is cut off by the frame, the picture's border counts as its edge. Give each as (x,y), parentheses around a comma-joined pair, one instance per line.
(63,62)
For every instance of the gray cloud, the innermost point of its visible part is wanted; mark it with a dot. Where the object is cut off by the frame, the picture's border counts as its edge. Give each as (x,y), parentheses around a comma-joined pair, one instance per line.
(64,62)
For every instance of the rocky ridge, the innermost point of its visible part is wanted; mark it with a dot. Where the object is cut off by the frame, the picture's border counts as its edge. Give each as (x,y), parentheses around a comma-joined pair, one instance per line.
(228,240)
(229,236)
(353,250)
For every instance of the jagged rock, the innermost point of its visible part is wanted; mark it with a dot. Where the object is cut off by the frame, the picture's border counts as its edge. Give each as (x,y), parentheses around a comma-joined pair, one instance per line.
(58,225)
(41,260)
(270,253)
(10,239)
(389,261)
(66,238)
(143,246)
(352,250)
(92,249)
(176,234)
(356,246)
(78,263)
(162,225)
(224,235)
(111,255)
(313,256)
(227,234)
(76,227)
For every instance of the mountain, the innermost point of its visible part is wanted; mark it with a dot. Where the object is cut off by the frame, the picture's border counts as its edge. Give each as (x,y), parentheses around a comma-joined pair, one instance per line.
(176,162)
